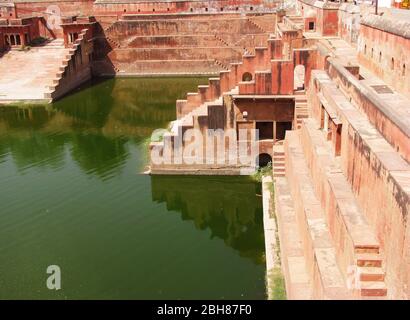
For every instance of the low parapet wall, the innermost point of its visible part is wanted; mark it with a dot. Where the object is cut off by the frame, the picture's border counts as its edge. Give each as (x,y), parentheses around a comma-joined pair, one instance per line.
(178,6)
(394,127)
(378,176)
(383,48)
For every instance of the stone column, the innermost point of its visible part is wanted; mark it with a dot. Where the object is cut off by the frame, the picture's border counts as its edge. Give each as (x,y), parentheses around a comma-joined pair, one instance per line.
(22,39)
(65,37)
(2,41)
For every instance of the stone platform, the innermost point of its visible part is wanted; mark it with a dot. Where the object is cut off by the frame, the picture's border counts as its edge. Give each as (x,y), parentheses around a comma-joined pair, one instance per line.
(26,75)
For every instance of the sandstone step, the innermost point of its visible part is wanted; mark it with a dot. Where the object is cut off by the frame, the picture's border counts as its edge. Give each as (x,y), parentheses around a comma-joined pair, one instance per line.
(371,274)
(369,260)
(320,251)
(275,174)
(293,261)
(27,75)
(169,67)
(375,248)
(373,289)
(345,218)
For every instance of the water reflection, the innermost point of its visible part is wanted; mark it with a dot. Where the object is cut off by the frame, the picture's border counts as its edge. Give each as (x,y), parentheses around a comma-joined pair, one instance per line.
(227,206)
(93,125)
(71,197)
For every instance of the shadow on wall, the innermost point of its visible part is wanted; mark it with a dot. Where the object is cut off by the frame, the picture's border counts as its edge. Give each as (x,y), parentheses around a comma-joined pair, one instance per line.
(103,45)
(228,206)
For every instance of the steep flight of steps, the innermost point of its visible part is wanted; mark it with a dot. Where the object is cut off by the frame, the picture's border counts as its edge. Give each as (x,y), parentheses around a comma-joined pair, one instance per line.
(301,109)
(171,44)
(257,25)
(278,160)
(359,258)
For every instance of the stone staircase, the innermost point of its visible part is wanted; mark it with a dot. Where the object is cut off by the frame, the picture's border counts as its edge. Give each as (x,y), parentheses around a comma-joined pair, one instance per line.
(337,253)
(221,40)
(221,64)
(239,43)
(326,276)
(278,160)
(261,66)
(27,75)
(257,25)
(74,68)
(320,191)
(301,109)
(114,44)
(178,38)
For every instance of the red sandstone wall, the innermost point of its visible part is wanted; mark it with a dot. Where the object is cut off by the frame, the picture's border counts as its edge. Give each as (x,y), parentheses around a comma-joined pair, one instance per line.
(327,19)
(349,23)
(385,205)
(34,27)
(378,178)
(223,39)
(66,8)
(330,23)
(308,59)
(266,111)
(2,44)
(392,130)
(386,55)
(183,6)
(282,77)
(7,12)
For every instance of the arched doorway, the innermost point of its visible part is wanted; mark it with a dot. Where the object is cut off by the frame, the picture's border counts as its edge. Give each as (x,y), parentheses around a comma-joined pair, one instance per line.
(263,160)
(299,77)
(247,76)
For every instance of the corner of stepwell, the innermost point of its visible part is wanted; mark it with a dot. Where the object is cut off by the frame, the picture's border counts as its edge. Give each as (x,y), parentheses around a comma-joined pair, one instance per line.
(327,84)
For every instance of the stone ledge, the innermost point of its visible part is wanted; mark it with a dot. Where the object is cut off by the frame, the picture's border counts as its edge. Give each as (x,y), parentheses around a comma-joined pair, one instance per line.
(397,27)
(293,261)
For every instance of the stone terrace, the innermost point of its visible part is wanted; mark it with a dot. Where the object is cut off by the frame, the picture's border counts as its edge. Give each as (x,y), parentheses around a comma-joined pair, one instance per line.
(27,75)
(180,44)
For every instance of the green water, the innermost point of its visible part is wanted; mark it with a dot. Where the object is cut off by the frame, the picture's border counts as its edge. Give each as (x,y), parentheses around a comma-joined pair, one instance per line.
(71,195)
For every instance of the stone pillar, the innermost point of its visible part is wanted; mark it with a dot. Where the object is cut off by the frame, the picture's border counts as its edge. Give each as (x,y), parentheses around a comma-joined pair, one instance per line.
(2,42)
(65,38)
(22,39)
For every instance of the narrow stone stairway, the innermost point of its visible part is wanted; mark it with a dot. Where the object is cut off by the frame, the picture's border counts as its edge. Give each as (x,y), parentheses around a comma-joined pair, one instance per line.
(301,109)
(278,160)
